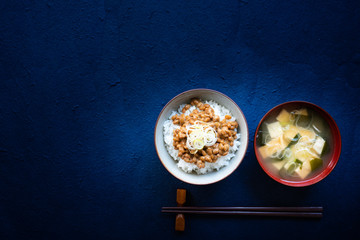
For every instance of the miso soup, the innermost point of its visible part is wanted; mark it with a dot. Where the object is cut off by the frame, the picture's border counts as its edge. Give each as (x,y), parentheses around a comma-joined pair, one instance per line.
(294,144)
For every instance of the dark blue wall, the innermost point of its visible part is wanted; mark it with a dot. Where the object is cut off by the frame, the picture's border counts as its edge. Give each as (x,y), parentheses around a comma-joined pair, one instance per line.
(82,84)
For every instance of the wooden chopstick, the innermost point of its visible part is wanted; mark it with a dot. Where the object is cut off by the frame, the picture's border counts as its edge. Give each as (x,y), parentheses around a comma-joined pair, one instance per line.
(248,213)
(250,209)
(312,212)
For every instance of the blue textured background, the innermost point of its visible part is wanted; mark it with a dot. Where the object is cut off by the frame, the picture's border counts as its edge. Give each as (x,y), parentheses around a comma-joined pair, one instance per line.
(82,84)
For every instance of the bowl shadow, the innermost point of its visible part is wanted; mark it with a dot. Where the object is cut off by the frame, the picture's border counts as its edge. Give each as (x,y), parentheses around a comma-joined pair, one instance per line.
(270,192)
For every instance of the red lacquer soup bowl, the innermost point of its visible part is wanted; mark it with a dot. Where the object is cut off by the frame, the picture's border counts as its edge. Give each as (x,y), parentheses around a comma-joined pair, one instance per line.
(295,108)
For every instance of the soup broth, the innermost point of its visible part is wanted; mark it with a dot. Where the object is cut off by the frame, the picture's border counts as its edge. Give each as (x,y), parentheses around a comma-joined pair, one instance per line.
(294,144)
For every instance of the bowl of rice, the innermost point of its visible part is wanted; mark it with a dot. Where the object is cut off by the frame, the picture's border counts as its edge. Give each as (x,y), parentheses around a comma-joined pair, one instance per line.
(201,136)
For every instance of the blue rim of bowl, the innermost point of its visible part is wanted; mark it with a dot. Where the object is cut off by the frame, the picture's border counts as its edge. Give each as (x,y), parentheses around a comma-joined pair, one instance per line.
(214,91)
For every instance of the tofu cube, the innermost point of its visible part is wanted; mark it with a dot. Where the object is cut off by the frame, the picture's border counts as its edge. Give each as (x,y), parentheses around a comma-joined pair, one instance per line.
(319,145)
(291,132)
(274,129)
(264,151)
(303,171)
(273,146)
(302,111)
(283,117)
(277,164)
(307,136)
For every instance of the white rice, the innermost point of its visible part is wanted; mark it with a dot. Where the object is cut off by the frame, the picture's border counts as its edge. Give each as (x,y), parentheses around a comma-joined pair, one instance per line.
(192,167)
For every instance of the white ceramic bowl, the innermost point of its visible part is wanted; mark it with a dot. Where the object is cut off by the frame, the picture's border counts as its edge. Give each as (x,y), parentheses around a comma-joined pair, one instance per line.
(170,164)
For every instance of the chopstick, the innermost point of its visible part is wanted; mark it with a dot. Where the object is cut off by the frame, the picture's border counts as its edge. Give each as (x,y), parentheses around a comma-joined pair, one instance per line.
(264,209)
(308,212)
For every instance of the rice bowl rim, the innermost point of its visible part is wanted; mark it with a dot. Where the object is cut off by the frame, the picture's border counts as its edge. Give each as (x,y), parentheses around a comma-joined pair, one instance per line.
(242,131)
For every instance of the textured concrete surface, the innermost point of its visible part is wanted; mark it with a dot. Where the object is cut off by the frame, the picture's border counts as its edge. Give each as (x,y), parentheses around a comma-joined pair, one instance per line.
(82,83)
